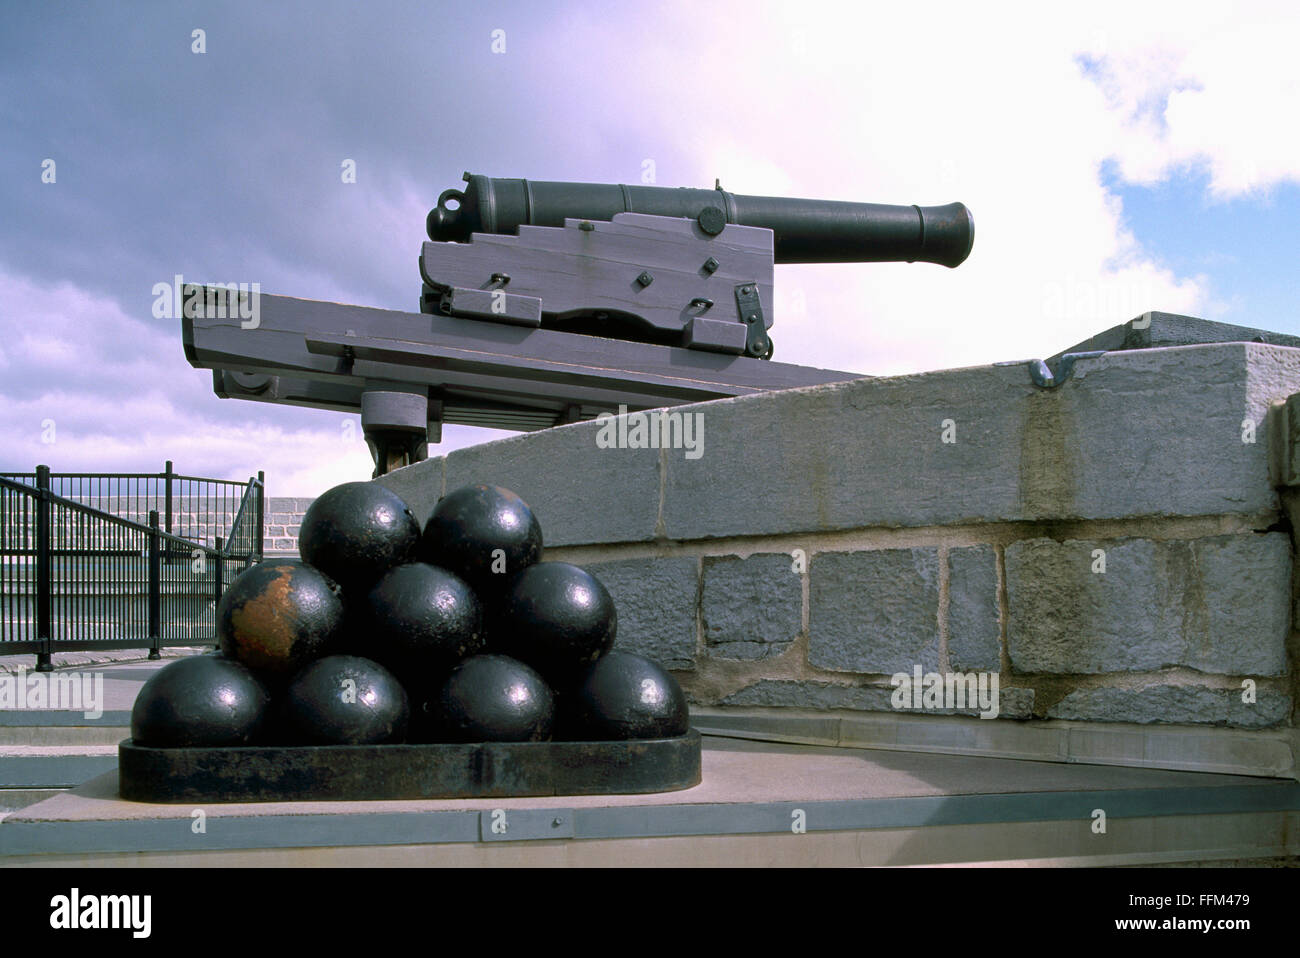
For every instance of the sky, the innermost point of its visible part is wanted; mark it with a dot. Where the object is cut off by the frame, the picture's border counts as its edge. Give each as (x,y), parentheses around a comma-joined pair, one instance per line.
(1117,158)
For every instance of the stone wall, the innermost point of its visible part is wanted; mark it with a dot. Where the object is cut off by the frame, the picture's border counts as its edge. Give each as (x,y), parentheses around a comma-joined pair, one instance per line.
(1113,550)
(282,519)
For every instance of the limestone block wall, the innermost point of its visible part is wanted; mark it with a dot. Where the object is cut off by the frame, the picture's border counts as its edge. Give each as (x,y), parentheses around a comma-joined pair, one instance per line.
(1112,550)
(283,516)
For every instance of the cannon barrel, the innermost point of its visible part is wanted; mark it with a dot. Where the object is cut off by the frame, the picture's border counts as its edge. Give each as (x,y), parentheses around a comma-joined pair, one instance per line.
(804,231)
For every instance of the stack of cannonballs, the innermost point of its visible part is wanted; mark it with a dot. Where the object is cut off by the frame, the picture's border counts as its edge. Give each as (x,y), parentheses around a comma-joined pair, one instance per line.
(384,633)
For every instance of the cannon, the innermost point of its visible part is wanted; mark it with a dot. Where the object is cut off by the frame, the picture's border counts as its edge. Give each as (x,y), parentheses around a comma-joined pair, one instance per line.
(681,267)
(804,231)
(546,303)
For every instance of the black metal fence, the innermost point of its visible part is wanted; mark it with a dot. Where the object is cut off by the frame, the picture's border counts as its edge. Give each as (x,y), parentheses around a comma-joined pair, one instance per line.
(189,507)
(76,575)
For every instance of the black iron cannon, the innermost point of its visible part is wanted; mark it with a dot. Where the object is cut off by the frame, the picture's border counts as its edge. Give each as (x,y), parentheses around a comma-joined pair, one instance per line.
(804,231)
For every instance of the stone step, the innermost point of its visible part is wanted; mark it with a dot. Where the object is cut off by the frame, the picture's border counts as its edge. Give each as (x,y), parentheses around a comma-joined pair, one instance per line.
(54,766)
(12,799)
(63,735)
(64,747)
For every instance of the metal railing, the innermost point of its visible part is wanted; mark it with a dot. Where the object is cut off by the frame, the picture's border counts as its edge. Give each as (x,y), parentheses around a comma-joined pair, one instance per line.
(74,576)
(189,507)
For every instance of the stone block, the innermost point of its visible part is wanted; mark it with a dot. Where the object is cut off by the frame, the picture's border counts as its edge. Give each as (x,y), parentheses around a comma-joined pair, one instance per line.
(871,451)
(973,630)
(752,608)
(656,601)
(1219,604)
(874,611)
(1176,704)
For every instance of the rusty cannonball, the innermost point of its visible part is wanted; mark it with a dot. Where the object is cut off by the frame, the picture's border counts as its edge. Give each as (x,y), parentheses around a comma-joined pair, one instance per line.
(626,696)
(420,619)
(344,700)
(279,615)
(494,698)
(556,617)
(200,701)
(356,532)
(484,534)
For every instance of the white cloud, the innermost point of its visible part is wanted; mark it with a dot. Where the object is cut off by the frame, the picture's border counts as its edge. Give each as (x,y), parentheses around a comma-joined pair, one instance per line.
(1216,89)
(988,104)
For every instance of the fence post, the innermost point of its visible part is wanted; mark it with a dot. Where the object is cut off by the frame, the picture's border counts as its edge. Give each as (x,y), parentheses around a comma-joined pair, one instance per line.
(167,475)
(261,514)
(43,571)
(155,587)
(218,581)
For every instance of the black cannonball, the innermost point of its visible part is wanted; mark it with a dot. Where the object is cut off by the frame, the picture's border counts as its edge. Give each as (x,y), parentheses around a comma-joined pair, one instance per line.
(356,532)
(200,701)
(494,698)
(421,618)
(279,615)
(626,696)
(556,617)
(484,534)
(344,700)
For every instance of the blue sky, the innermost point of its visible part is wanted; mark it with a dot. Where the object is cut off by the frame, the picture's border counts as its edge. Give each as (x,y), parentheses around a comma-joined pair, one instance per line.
(1246,247)
(1117,159)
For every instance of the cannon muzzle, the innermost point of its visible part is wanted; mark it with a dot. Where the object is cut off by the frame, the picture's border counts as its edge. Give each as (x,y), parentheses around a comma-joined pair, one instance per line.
(804,231)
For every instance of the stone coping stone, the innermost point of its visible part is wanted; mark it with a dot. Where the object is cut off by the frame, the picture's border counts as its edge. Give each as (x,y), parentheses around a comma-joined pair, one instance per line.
(1152,432)
(1154,329)
(871,452)
(1263,752)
